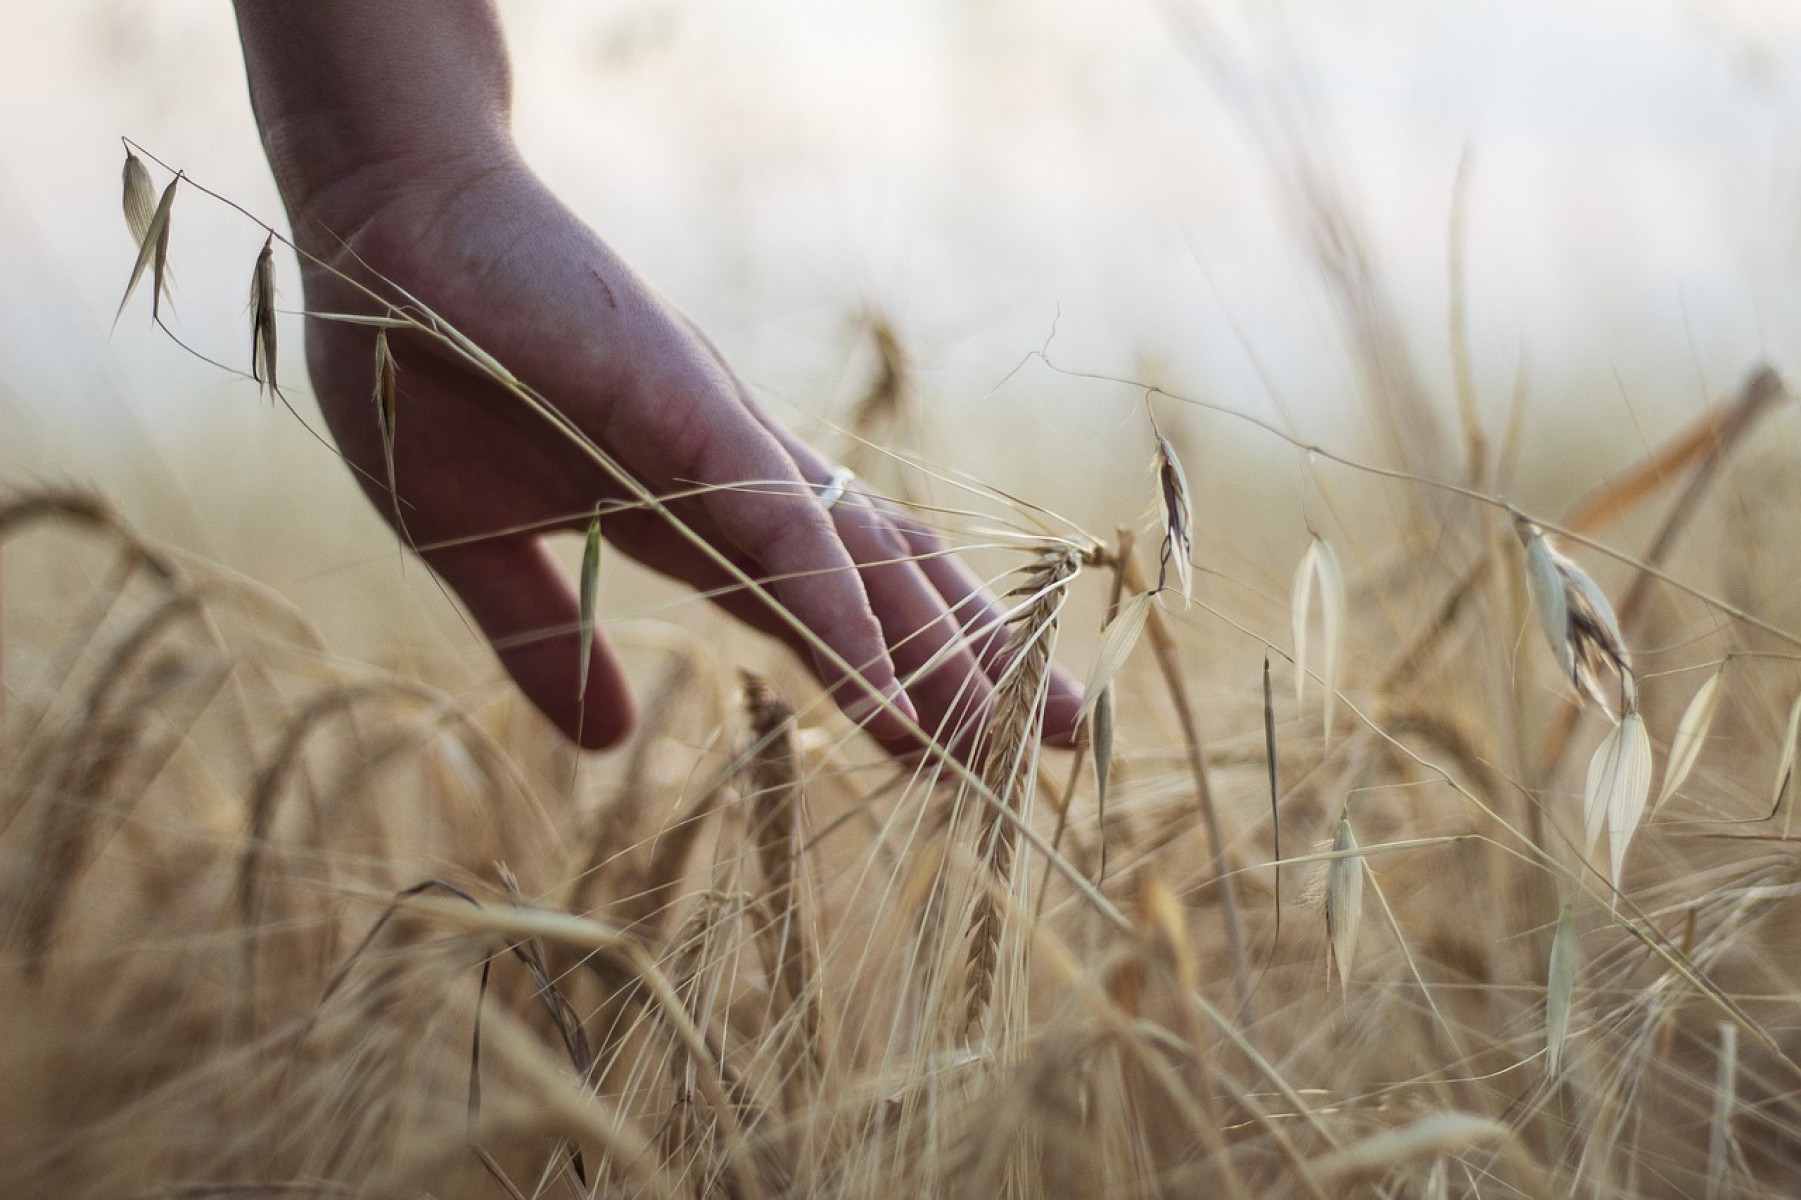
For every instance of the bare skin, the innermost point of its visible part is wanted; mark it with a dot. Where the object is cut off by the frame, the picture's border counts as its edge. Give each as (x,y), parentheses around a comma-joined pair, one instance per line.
(387,128)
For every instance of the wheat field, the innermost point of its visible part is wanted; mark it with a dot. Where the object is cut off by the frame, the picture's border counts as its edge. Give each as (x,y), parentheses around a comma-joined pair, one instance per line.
(279,922)
(1431,834)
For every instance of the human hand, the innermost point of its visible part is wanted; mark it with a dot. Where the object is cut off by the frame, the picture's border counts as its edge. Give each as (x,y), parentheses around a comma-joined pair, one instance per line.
(480,476)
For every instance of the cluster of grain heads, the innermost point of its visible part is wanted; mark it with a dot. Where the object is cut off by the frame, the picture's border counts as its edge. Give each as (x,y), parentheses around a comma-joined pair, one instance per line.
(150,228)
(1319,566)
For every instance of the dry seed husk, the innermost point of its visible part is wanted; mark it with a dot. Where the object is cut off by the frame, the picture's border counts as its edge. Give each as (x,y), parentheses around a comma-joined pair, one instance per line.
(387,404)
(1619,781)
(590,590)
(1578,621)
(1626,804)
(153,252)
(1344,898)
(1691,732)
(1319,565)
(1725,1100)
(1117,641)
(139,200)
(1560,989)
(1785,766)
(1178,519)
(262,318)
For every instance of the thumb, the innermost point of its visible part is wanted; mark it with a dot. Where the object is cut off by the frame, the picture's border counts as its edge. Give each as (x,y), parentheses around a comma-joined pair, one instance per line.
(518,595)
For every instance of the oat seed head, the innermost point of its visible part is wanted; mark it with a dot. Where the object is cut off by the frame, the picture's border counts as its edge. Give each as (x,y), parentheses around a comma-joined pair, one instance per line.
(1560,990)
(140,198)
(1344,899)
(262,318)
(1579,623)
(1691,734)
(1178,520)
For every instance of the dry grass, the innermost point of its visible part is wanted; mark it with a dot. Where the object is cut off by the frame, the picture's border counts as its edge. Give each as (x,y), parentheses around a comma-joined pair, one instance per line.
(277,924)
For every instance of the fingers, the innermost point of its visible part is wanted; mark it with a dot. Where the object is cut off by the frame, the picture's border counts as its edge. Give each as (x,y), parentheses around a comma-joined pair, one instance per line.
(517,594)
(981,616)
(780,526)
(931,651)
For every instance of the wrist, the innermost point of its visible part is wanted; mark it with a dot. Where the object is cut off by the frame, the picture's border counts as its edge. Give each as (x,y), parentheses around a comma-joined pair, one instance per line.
(357,101)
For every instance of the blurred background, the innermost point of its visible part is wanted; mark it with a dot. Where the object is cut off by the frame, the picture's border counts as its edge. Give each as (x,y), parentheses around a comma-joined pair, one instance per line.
(1158,192)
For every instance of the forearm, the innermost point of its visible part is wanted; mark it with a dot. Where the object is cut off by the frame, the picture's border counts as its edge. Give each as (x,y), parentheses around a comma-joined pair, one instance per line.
(353,94)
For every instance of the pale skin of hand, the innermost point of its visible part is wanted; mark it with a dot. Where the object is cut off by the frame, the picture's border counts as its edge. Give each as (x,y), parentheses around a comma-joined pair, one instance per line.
(387,128)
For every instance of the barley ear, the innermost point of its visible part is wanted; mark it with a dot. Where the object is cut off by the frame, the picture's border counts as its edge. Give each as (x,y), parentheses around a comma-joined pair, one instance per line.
(153,252)
(1344,899)
(590,589)
(262,318)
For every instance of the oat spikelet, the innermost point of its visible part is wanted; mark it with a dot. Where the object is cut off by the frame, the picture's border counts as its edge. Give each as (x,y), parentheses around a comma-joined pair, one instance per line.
(1008,758)
(153,252)
(1579,623)
(1691,732)
(140,198)
(1319,564)
(1178,520)
(262,318)
(387,411)
(1785,765)
(1619,781)
(590,594)
(1560,990)
(1722,1146)
(1344,899)
(777,806)
(1117,641)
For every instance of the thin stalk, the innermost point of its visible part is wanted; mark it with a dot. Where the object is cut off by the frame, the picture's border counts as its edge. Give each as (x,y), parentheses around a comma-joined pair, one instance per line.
(1163,644)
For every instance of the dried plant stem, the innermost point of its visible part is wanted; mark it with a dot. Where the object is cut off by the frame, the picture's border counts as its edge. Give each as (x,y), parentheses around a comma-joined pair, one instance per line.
(1007,762)
(1124,539)
(1163,643)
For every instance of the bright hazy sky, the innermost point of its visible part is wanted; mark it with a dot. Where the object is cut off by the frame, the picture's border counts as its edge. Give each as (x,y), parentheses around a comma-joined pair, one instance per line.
(979,168)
